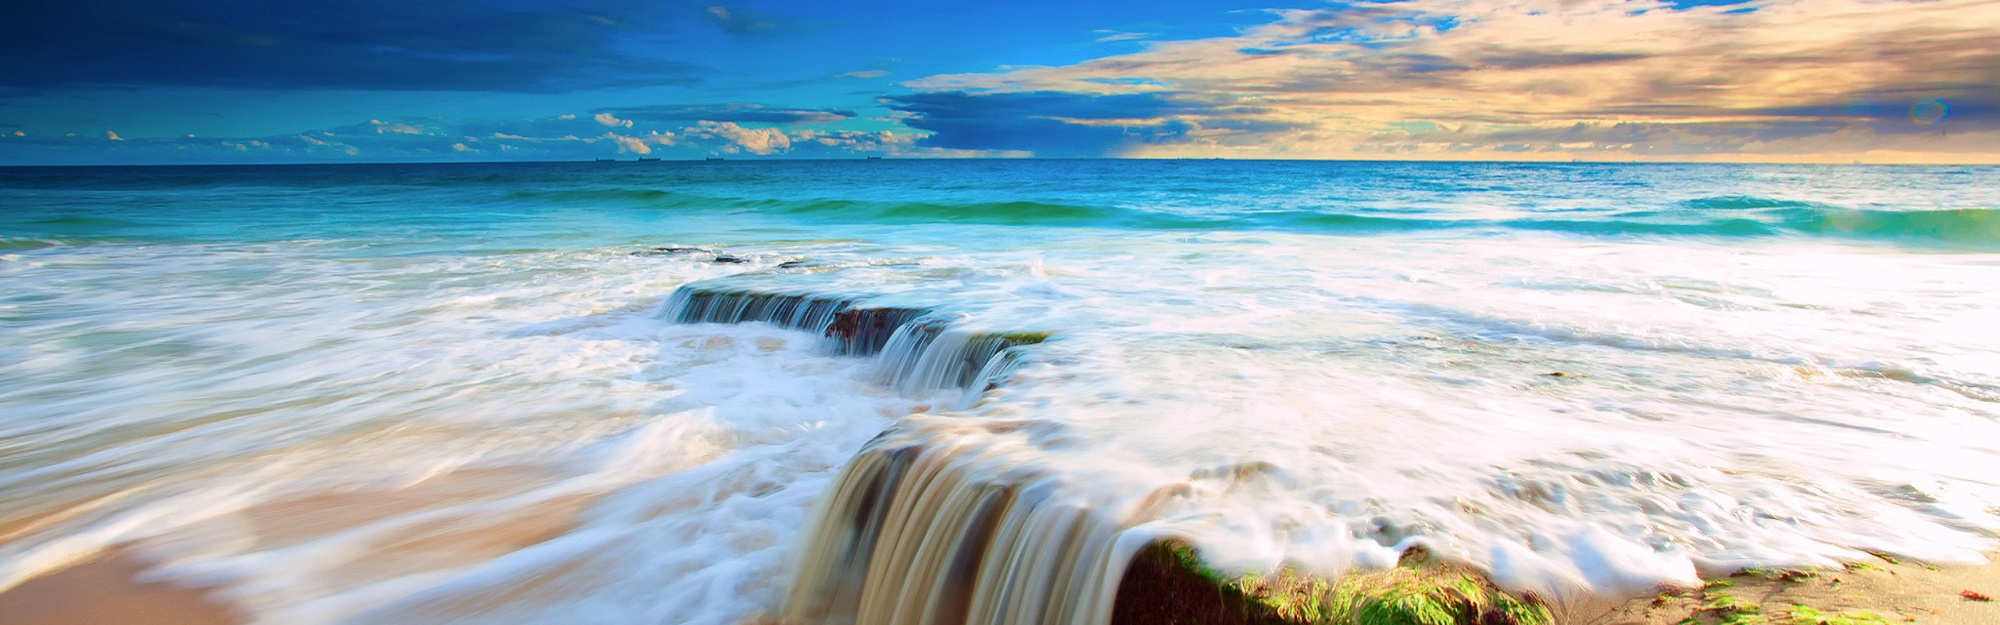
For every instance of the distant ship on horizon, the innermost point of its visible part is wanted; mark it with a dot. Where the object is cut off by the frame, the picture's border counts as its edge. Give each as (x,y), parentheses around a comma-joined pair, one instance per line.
(715,158)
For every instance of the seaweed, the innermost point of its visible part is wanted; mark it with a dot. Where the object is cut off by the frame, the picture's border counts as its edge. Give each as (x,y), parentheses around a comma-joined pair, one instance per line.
(1417,592)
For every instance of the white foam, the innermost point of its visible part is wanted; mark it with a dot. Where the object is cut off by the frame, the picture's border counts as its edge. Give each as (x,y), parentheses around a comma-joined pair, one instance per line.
(1327,401)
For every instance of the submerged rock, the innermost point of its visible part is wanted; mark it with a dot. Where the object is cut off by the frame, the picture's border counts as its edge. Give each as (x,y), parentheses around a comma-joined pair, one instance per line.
(865,331)
(923,350)
(673,251)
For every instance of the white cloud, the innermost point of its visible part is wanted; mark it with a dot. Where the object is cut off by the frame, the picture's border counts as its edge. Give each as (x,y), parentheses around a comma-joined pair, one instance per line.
(245,146)
(761,141)
(608,120)
(641,144)
(633,145)
(318,145)
(866,73)
(382,127)
(112,136)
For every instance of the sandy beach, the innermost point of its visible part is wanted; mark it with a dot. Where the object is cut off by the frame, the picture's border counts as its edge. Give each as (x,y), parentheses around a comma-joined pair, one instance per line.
(1894,590)
(106,590)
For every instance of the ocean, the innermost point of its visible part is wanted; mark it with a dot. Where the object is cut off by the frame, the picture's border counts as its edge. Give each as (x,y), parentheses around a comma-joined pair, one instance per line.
(693,392)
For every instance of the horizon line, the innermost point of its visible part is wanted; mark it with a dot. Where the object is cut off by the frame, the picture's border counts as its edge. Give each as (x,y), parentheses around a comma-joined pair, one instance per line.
(864,158)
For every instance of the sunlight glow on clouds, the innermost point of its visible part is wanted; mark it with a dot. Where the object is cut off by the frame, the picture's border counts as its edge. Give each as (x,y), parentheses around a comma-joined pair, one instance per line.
(1796,80)
(759,141)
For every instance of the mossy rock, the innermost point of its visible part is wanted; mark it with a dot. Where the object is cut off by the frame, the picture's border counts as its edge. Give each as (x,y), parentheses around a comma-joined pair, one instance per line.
(1024,338)
(1168,585)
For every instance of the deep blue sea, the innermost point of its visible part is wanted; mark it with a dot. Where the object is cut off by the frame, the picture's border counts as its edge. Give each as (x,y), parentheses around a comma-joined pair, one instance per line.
(464,393)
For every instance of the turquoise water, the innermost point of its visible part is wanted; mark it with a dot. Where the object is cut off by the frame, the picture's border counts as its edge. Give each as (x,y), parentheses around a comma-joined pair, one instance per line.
(435,392)
(600,203)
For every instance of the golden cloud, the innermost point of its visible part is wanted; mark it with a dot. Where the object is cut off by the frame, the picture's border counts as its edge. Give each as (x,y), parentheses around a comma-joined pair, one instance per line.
(1771,80)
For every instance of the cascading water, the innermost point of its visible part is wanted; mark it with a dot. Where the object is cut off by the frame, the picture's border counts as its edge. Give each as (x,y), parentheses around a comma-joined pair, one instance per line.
(916,350)
(925,527)
(922,529)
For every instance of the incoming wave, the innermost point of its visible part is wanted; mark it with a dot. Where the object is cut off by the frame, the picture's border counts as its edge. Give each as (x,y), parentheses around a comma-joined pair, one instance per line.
(1003,213)
(1730,217)
(1979,226)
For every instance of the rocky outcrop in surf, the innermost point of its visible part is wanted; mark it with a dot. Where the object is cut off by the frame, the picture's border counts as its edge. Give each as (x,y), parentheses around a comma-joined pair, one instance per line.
(916,349)
(932,525)
(936,522)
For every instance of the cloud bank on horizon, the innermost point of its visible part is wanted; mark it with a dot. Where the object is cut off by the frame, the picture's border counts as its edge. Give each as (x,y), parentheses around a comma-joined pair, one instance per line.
(1763,80)
(1797,80)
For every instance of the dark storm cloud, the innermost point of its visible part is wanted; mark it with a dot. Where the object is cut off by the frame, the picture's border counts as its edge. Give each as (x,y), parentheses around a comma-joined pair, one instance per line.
(1046,123)
(740,113)
(463,45)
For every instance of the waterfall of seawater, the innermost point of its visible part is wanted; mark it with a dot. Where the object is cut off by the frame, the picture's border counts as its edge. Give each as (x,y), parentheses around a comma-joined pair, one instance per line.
(916,350)
(923,529)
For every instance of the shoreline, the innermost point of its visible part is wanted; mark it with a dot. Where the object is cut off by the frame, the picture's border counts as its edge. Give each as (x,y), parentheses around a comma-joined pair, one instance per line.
(107,589)
(1891,589)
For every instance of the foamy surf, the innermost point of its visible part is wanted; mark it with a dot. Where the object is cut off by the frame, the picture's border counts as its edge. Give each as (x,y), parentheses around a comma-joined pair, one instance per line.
(503,415)
(448,454)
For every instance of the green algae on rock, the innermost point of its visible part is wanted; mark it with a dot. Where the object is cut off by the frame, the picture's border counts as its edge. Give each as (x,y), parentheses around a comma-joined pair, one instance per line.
(1168,584)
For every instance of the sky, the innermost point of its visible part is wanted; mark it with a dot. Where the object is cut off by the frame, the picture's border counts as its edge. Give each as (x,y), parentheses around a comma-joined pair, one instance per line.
(252,81)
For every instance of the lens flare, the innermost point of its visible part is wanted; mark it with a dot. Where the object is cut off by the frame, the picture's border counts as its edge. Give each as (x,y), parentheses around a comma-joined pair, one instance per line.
(1929,112)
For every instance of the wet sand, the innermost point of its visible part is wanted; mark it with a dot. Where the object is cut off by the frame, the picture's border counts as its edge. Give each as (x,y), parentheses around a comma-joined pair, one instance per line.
(105,590)
(1896,591)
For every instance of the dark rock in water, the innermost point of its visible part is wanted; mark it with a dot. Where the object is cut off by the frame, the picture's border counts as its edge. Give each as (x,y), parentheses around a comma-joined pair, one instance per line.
(863,331)
(672,251)
(855,331)
(794,264)
(727,259)
(1160,589)
(698,304)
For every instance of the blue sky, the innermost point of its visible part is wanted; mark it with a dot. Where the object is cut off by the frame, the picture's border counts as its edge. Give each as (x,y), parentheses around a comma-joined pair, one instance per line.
(241,81)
